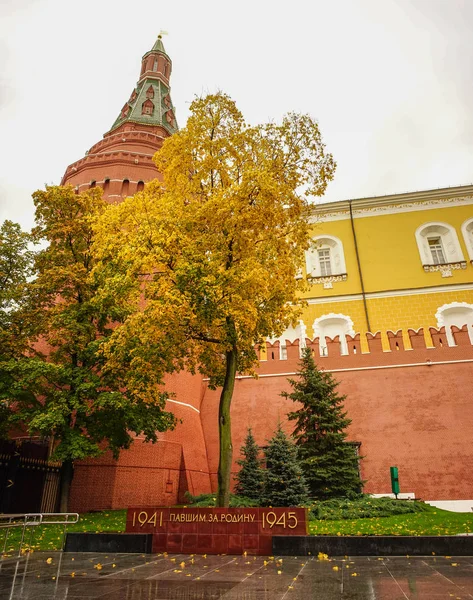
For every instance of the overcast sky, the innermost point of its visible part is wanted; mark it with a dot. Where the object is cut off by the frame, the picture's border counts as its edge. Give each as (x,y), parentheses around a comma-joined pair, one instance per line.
(390,81)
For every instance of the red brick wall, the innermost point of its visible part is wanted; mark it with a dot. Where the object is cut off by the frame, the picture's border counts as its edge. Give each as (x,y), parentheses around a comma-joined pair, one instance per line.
(410,408)
(419,418)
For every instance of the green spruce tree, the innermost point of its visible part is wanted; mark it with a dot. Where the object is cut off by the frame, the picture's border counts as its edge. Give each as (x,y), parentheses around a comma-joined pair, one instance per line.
(284,481)
(329,462)
(251,475)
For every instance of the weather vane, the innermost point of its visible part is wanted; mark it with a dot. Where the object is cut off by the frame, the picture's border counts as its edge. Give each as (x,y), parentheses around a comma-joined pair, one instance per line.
(162,32)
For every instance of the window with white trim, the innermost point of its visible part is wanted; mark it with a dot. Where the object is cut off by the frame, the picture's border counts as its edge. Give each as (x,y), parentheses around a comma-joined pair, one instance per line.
(436,250)
(438,244)
(458,314)
(325,258)
(331,325)
(467,230)
(324,261)
(292,333)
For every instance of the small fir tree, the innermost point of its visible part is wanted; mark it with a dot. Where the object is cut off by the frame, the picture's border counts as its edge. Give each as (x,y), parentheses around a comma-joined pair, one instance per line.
(284,481)
(250,477)
(329,462)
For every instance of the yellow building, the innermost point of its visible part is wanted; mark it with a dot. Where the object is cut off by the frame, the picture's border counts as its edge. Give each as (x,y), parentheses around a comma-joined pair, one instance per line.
(389,263)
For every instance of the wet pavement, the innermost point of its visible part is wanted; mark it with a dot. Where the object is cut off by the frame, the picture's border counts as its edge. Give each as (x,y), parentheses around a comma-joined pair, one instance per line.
(62,576)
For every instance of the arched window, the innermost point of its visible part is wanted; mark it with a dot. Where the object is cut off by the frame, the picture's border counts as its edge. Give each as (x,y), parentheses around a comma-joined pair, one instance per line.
(155,64)
(467,230)
(125,187)
(92,184)
(458,314)
(150,92)
(290,335)
(325,259)
(438,246)
(140,186)
(147,108)
(106,185)
(330,326)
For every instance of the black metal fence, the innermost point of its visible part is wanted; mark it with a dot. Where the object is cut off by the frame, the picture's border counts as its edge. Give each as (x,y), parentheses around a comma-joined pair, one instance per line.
(29,482)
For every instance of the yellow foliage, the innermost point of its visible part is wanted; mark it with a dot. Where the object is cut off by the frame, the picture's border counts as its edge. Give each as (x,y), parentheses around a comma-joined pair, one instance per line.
(209,257)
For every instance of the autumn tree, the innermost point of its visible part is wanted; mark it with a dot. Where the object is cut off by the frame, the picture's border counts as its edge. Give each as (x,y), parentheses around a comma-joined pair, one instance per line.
(16,265)
(329,462)
(62,387)
(214,249)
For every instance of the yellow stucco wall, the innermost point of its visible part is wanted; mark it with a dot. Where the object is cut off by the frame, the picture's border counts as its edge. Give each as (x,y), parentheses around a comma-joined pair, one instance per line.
(390,262)
(392,313)
(388,251)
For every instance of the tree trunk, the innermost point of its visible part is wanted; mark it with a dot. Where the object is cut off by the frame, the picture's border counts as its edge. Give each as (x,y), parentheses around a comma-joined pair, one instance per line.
(67,473)
(225,430)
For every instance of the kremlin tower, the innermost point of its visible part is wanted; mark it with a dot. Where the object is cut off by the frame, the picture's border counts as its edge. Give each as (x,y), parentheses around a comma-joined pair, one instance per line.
(122,162)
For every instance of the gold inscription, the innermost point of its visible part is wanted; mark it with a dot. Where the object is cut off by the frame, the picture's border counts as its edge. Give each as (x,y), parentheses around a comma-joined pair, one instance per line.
(270,520)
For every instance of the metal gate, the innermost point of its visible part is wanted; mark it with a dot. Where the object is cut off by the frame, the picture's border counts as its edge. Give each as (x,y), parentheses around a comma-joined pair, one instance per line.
(29,482)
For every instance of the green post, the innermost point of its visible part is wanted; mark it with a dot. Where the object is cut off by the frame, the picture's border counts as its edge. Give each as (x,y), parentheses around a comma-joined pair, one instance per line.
(394,481)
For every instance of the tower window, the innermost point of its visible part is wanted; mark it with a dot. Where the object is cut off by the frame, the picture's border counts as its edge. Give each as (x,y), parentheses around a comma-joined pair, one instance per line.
(155,64)
(324,261)
(436,250)
(147,107)
(166,67)
(92,184)
(140,186)
(150,92)
(125,187)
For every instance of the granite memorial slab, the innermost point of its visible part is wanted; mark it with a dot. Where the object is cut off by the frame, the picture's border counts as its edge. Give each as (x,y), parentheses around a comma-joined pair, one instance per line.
(216,530)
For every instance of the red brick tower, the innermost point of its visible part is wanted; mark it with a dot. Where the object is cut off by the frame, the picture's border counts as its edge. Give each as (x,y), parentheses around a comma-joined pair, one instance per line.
(122,162)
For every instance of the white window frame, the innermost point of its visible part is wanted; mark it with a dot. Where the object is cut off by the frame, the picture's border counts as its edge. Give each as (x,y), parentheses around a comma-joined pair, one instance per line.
(451,246)
(346,324)
(337,256)
(467,231)
(437,250)
(325,261)
(292,333)
(441,321)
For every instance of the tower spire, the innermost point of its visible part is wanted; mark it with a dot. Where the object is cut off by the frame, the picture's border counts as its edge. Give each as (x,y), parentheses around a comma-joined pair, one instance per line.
(122,161)
(158,44)
(150,102)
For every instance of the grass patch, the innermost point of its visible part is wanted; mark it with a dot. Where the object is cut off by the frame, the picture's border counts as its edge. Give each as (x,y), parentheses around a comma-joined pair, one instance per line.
(50,537)
(363,507)
(432,521)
